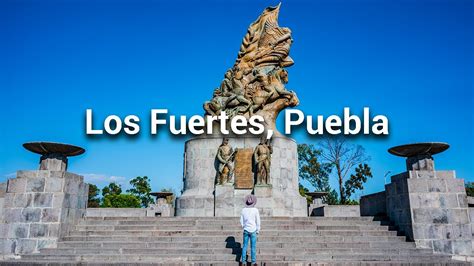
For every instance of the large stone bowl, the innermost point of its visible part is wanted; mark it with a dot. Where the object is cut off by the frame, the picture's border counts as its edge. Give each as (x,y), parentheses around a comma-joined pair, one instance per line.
(45,148)
(53,155)
(417,149)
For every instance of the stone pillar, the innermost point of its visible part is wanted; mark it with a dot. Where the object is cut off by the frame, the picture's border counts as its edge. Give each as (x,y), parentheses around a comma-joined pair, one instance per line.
(40,207)
(161,207)
(429,206)
(317,201)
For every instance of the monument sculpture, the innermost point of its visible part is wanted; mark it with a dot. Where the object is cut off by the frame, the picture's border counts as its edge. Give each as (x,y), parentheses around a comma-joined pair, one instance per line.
(254,85)
(256,82)
(263,156)
(225,157)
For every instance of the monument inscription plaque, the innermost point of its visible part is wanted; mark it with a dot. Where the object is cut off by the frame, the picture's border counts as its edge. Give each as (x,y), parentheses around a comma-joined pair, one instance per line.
(243,174)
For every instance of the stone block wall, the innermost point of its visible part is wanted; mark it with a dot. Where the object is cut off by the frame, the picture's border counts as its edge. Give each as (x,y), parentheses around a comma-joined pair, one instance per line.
(201,197)
(471,217)
(373,204)
(398,204)
(40,207)
(430,207)
(3,189)
(337,211)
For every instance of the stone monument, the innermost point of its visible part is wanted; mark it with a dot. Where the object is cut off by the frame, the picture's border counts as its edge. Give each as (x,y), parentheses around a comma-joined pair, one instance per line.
(42,206)
(429,206)
(161,207)
(217,174)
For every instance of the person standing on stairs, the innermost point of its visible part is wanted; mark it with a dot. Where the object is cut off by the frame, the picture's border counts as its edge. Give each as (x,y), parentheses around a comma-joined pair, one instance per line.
(250,221)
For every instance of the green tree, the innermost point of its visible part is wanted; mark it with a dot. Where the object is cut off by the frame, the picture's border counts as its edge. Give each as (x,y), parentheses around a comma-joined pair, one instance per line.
(344,156)
(311,169)
(93,200)
(316,172)
(357,180)
(121,201)
(141,189)
(112,189)
(470,189)
(332,198)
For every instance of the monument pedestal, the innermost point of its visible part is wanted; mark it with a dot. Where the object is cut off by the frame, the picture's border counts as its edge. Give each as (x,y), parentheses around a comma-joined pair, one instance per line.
(40,207)
(202,197)
(428,206)
(224,204)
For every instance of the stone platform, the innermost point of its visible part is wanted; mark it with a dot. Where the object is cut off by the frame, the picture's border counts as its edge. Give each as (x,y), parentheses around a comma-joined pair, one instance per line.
(203,197)
(218,240)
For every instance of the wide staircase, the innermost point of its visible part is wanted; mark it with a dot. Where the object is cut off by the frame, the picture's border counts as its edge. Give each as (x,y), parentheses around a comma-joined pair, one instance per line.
(218,241)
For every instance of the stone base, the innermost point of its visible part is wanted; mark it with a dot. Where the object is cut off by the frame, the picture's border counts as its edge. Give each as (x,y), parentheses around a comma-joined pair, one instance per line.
(195,206)
(40,207)
(431,208)
(202,197)
(336,211)
(161,208)
(229,201)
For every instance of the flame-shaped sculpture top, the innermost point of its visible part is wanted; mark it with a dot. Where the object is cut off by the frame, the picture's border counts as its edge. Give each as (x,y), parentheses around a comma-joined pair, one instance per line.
(255,84)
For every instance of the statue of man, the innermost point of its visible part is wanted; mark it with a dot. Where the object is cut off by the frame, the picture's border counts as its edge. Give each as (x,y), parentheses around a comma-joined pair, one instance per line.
(225,156)
(262,156)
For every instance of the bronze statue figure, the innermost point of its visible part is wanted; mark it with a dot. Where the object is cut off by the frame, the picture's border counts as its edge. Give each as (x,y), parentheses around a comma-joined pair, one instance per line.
(262,157)
(225,157)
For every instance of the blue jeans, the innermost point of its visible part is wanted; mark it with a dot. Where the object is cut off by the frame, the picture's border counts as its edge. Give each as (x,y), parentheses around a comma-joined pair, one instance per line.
(253,246)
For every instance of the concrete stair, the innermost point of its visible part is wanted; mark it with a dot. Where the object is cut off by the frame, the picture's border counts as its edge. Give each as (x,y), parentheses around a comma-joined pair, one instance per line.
(217,241)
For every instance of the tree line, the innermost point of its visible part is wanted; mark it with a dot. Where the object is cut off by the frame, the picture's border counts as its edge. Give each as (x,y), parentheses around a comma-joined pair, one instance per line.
(336,156)
(112,196)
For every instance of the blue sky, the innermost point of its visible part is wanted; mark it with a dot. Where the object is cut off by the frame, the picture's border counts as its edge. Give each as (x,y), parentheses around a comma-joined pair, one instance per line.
(409,60)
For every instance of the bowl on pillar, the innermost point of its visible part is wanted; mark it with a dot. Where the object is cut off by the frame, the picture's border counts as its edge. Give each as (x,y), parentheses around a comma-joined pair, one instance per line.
(419,155)
(53,155)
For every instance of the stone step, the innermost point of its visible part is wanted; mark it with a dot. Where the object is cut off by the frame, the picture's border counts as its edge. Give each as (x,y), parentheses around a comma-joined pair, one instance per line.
(170,258)
(260,251)
(160,262)
(263,219)
(229,227)
(264,233)
(156,244)
(222,239)
(230,222)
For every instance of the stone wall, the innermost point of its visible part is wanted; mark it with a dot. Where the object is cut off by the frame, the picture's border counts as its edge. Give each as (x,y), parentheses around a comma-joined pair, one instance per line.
(373,204)
(430,207)
(201,197)
(115,212)
(40,207)
(337,211)
(3,189)
(471,218)
(398,204)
